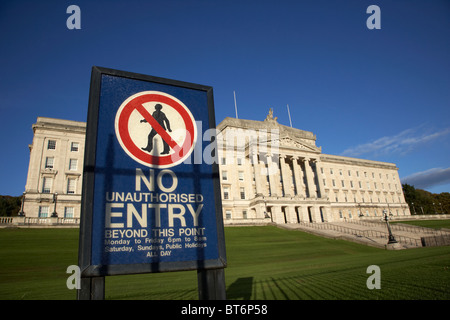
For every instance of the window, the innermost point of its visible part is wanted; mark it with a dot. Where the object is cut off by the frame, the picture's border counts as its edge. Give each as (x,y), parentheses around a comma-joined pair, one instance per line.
(73,163)
(226,193)
(46,185)
(43,212)
(68,212)
(74,146)
(242,191)
(342,183)
(224,161)
(51,145)
(224,176)
(241,175)
(71,185)
(244,214)
(239,161)
(49,162)
(228,214)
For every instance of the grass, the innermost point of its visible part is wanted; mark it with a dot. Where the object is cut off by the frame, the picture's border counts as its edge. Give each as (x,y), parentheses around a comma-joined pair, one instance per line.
(263,263)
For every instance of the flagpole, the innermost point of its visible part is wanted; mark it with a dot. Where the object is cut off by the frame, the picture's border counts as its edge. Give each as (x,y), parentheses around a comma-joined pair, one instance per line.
(235,105)
(290,121)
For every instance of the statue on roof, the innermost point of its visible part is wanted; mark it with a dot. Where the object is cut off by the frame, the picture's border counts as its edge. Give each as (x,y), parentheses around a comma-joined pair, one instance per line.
(270,116)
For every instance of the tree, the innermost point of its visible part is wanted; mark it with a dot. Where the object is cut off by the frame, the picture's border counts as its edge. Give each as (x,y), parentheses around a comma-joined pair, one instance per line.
(424,202)
(10,206)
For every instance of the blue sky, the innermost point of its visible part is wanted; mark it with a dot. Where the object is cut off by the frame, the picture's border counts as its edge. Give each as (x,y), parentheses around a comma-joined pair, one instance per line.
(372,94)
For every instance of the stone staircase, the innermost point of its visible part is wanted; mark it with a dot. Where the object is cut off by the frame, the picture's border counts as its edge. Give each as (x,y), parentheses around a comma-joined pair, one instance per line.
(372,233)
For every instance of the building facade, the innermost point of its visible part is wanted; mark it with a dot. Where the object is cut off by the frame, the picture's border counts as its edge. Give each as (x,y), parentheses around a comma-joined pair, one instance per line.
(54,180)
(273,173)
(269,173)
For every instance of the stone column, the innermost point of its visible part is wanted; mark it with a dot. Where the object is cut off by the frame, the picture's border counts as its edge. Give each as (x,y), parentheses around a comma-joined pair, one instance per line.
(260,210)
(291,216)
(272,171)
(286,176)
(257,173)
(303,214)
(298,177)
(327,216)
(277,215)
(309,178)
(320,179)
(315,214)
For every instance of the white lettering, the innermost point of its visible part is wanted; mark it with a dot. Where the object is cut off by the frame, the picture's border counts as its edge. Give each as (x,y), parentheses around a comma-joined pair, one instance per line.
(131,211)
(73,281)
(157,207)
(174,181)
(195,213)
(109,215)
(74,21)
(374,281)
(150,182)
(374,21)
(179,215)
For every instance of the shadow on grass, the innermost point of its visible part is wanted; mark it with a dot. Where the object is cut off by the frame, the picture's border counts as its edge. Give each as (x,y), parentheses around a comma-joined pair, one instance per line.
(240,289)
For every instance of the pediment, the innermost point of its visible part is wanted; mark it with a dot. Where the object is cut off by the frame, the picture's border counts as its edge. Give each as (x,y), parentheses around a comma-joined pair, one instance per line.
(297,144)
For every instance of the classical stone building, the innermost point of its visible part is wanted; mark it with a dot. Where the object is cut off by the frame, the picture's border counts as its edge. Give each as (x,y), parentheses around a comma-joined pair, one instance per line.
(268,172)
(54,179)
(273,173)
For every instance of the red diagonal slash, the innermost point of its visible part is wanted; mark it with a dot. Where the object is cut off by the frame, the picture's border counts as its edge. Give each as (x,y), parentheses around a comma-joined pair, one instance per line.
(160,130)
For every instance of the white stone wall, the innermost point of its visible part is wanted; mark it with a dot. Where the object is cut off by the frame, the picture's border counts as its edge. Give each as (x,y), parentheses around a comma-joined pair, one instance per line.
(41,170)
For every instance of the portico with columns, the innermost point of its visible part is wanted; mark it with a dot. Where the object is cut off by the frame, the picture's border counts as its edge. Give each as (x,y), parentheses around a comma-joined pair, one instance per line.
(271,173)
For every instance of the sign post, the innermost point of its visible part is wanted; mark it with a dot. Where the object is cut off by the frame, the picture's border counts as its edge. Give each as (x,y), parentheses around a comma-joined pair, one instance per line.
(151,194)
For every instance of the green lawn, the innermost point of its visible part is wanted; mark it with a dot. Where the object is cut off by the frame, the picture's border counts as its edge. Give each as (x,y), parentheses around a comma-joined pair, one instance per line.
(263,263)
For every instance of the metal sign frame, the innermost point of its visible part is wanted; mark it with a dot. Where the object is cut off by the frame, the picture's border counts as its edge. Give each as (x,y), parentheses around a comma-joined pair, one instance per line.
(92,274)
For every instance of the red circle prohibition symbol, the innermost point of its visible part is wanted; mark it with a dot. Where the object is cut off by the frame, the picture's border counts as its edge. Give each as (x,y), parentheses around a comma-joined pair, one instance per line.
(180,151)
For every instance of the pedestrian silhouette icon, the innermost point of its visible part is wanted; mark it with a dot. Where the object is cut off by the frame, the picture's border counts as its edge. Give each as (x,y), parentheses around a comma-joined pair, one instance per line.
(161,118)
(155,129)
